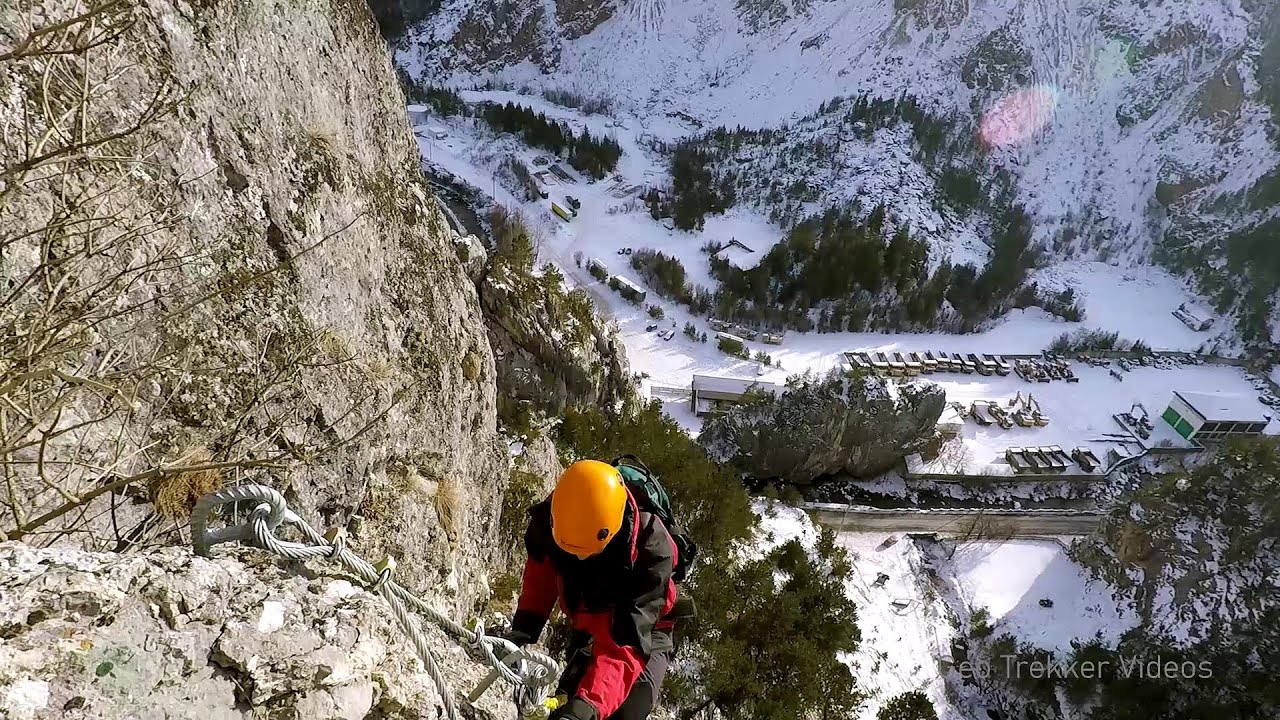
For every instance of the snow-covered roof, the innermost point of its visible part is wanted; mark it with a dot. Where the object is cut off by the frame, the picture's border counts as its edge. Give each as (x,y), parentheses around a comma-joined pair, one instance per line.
(739,258)
(1224,407)
(629,284)
(709,383)
(417,108)
(951,418)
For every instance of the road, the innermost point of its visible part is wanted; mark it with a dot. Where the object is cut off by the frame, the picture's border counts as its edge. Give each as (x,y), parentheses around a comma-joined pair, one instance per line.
(1015,523)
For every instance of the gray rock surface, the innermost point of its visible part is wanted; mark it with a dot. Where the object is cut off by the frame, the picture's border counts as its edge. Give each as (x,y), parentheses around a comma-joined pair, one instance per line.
(552,350)
(827,425)
(366,355)
(167,635)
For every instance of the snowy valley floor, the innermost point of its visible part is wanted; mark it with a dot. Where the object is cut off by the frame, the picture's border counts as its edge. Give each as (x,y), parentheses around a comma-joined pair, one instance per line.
(1135,302)
(915,596)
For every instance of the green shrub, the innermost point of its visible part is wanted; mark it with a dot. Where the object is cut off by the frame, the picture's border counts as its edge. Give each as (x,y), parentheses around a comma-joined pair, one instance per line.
(980,623)
(908,706)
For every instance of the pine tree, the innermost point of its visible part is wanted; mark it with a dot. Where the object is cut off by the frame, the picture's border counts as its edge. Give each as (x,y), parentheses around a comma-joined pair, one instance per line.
(908,706)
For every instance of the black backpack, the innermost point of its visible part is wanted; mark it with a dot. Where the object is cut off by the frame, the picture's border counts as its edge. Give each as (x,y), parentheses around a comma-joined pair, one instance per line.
(653,498)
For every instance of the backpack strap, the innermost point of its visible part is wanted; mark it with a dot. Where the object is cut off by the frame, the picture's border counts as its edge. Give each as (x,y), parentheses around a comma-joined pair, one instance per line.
(633,461)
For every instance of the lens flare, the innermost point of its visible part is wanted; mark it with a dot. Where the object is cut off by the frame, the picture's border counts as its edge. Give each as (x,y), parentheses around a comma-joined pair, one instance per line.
(1017,117)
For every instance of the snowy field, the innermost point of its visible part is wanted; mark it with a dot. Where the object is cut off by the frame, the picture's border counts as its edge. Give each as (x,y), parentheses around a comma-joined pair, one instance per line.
(908,618)
(1080,414)
(1010,579)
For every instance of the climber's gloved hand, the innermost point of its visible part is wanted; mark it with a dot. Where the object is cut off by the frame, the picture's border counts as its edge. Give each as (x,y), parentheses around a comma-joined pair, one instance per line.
(518,638)
(575,709)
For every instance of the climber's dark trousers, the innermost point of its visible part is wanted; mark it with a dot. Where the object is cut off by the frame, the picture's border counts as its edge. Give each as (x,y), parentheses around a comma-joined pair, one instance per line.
(644,694)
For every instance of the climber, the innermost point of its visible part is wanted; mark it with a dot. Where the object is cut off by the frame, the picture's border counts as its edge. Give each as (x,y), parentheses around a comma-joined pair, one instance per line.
(610,564)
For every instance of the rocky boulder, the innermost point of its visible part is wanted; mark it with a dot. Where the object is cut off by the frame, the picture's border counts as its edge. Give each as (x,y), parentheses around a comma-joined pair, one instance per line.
(165,634)
(552,351)
(822,426)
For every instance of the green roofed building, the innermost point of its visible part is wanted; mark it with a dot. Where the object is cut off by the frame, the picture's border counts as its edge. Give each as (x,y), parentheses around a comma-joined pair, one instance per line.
(1214,416)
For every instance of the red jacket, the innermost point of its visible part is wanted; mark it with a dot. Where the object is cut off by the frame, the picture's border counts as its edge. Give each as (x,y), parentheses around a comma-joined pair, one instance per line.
(622,597)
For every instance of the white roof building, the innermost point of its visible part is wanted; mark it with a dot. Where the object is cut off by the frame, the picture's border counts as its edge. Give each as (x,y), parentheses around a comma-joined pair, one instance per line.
(1224,407)
(711,394)
(1215,416)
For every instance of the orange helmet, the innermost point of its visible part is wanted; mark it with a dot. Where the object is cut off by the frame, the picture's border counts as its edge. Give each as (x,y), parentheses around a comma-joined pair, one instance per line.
(587,507)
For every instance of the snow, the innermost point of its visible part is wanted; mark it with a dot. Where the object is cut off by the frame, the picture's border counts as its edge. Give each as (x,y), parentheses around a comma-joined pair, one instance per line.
(707,383)
(903,644)
(1225,406)
(1135,302)
(1081,413)
(780,524)
(899,645)
(1010,578)
(679,411)
(1090,161)
(748,228)
(908,595)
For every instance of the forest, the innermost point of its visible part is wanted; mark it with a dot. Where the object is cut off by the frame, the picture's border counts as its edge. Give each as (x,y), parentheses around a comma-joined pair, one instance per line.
(443,100)
(595,156)
(837,272)
(779,170)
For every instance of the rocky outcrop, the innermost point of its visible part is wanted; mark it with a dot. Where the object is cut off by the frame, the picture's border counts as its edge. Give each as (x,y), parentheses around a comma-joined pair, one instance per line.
(579,17)
(823,426)
(552,351)
(290,291)
(501,32)
(165,634)
(396,16)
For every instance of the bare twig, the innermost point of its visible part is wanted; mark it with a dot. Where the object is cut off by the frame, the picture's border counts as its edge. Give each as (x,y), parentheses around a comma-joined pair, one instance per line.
(23,48)
(142,477)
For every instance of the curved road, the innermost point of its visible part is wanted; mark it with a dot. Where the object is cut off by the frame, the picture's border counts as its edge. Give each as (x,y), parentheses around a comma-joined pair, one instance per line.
(1002,523)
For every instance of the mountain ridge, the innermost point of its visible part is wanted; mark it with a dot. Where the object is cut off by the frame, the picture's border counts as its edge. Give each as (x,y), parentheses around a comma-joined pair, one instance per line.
(1127,125)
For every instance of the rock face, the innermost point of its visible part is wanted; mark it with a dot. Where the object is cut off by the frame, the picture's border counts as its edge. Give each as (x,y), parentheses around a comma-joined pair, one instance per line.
(292,291)
(552,350)
(499,32)
(822,426)
(165,634)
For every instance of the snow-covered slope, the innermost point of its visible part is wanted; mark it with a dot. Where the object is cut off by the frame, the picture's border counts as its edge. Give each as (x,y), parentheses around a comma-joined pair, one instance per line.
(1114,115)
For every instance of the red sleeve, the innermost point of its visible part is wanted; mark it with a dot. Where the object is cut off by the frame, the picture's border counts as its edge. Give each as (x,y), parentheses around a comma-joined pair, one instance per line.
(623,640)
(613,671)
(538,593)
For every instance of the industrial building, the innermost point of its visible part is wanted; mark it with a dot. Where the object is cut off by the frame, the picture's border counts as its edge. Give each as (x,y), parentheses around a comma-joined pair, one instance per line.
(628,289)
(716,394)
(1214,416)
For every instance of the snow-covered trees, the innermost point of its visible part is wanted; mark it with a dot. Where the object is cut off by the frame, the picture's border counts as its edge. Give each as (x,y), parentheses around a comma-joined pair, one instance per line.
(595,156)
(1197,552)
(823,425)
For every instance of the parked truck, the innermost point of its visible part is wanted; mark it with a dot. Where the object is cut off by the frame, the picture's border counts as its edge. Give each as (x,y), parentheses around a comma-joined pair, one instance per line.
(564,214)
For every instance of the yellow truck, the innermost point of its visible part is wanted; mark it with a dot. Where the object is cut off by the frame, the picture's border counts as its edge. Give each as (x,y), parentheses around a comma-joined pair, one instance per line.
(564,214)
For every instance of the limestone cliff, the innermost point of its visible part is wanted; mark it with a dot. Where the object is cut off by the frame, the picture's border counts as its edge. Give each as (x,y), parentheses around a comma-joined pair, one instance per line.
(220,264)
(552,351)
